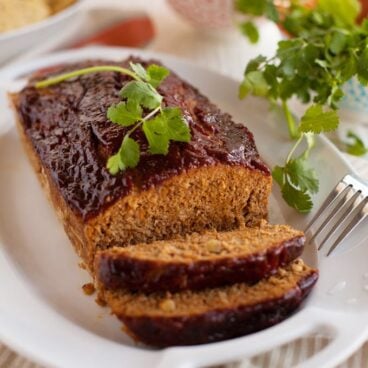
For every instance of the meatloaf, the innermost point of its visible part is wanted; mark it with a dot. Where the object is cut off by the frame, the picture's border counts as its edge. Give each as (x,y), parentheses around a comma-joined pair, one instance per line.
(200,261)
(216,181)
(198,317)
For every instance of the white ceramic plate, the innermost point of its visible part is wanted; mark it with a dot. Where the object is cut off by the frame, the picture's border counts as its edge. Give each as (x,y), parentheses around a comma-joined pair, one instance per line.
(43,312)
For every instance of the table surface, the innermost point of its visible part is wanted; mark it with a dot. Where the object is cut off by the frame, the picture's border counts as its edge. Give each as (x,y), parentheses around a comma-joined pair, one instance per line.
(227,52)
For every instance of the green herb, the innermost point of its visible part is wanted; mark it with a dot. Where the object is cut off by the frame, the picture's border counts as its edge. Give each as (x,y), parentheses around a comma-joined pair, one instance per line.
(250,30)
(326,49)
(315,120)
(163,128)
(142,93)
(125,113)
(355,146)
(141,109)
(255,8)
(344,12)
(127,156)
(296,178)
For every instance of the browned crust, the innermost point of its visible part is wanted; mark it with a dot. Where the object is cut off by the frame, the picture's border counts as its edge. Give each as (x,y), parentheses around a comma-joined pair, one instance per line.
(73,225)
(116,271)
(217,325)
(68,127)
(216,197)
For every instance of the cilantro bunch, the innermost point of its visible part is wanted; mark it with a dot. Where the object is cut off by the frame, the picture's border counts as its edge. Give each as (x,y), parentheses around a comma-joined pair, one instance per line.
(141,108)
(326,49)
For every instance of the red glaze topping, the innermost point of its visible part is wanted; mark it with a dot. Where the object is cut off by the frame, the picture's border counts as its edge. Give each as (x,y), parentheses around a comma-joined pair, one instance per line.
(68,128)
(220,324)
(115,271)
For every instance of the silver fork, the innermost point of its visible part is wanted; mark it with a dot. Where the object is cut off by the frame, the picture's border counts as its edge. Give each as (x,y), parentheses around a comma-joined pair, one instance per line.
(344,209)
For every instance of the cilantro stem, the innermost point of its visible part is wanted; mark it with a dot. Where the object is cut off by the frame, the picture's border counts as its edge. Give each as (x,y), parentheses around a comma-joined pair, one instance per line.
(76,73)
(152,113)
(290,155)
(147,117)
(293,130)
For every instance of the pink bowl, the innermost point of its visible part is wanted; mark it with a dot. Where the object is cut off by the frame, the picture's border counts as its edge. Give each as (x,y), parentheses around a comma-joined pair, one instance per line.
(205,13)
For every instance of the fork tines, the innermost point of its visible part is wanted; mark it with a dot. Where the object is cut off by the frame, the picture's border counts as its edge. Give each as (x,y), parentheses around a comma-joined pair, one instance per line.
(344,208)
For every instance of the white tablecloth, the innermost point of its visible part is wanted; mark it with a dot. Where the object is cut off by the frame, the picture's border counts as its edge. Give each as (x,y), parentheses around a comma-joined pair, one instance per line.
(227,52)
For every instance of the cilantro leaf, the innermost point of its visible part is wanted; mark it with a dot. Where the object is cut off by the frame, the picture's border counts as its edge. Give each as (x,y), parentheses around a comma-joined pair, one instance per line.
(271,11)
(114,164)
(338,41)
(141,93)
(249,30)
(296,198)
(362,67)
(156,74)
(125,113)
(270,75)
(254,64)
(177,128)
(251,7)
(245,88)
(302,176)
(129,152)
(157,135)
(316,120)
(259,7)
(344,11)
(169,125)
(278,175)
(254,83)
(357,148)
(127,156)
(139,70)
(296,179)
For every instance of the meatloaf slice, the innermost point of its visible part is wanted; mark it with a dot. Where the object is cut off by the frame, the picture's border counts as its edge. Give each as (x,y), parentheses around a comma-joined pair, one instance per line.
(200,261)
(216,181)
(188,317)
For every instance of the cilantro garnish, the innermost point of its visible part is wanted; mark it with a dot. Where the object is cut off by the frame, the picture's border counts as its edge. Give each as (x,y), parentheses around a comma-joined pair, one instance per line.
(141,108)
(296,178)
(249,30)
(355,145)
(326,48)
(255,8)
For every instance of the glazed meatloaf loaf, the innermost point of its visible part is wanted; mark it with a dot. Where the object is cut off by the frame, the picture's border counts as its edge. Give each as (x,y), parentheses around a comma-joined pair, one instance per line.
(200,261)
(216,181)
(197,317)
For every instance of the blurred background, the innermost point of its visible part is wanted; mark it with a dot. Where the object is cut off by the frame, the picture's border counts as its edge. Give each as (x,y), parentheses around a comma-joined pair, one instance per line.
(205,32)
(196,30)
